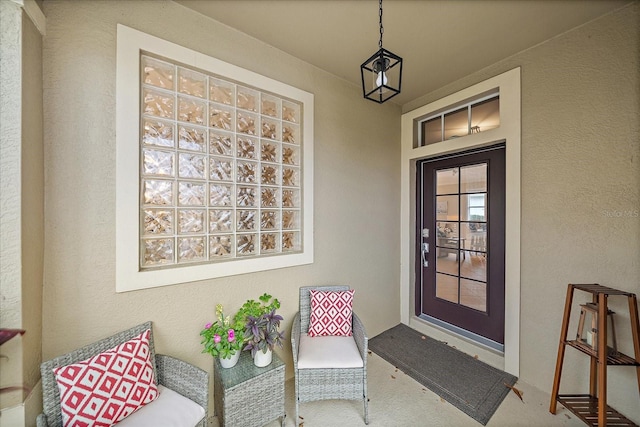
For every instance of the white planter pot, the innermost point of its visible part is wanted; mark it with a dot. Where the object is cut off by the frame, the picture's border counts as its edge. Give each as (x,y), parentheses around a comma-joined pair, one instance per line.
(262,359)
(231,361)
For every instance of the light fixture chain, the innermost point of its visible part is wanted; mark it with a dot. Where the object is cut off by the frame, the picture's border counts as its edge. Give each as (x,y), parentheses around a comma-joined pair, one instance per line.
(385,67)
(381,27)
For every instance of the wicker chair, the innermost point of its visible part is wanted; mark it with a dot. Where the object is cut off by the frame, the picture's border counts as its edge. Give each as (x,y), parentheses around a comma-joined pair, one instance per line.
(327,382)
(177,375)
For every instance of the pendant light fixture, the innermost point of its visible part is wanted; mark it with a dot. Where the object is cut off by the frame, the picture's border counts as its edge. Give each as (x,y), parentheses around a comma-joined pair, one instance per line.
(381,73)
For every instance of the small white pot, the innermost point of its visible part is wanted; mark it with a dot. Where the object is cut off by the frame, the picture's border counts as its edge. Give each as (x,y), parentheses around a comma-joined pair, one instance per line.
(231,361)
(262,359)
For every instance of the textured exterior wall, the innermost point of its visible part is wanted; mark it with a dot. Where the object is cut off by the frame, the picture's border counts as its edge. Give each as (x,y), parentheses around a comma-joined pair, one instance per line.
(580,189)
(356,181)
(10,83)
(10,169)
(22,189)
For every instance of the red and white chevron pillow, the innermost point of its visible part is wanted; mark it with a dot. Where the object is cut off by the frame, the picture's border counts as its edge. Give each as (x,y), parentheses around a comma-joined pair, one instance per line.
(331,313)
(106,388)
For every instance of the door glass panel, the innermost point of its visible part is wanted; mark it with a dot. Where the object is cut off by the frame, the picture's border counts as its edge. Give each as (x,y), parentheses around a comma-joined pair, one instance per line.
(447,236)
(473,179)
(470,230)
(447,287)
(473,207)
(447,181)
(474,266)
(456,123)
(461,235)
(446,261)
(447,208)
(473,294)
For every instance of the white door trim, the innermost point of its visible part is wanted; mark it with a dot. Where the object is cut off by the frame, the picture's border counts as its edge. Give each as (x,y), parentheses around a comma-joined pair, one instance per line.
(508,85)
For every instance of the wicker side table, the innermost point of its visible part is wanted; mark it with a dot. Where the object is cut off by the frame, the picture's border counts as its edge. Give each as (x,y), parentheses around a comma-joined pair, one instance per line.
(248,396)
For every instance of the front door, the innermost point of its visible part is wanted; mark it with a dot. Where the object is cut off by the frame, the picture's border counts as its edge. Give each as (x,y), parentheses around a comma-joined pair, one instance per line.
(461,229)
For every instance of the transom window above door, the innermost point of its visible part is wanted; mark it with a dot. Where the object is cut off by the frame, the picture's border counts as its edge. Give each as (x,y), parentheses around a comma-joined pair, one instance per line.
(479,115)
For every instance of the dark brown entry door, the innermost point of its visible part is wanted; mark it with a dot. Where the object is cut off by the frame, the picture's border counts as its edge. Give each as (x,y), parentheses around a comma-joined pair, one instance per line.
(461,229)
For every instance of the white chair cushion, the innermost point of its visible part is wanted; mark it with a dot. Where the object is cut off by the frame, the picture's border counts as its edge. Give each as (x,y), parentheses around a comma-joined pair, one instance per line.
(170,409)
(328,352)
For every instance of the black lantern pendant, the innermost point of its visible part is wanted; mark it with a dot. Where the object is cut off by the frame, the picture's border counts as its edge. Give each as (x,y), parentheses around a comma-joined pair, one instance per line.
(381,73)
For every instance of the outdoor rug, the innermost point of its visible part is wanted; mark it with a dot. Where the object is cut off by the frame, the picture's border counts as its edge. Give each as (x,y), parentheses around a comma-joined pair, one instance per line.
(470,385)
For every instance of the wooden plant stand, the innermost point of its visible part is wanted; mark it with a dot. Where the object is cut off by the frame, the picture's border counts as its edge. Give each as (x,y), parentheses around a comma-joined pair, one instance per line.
(592,408)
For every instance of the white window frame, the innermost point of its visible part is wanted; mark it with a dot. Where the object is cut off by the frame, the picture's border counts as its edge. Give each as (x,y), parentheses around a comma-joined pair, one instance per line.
(129,277)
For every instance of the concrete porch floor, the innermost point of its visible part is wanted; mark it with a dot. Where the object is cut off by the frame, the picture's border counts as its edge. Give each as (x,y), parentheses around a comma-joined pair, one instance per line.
(397,400)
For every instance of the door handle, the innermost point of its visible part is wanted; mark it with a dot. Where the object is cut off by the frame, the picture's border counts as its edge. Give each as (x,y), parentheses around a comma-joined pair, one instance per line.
(425,251)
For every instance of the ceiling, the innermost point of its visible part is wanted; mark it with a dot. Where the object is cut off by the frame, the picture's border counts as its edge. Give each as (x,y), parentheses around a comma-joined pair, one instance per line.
(440,41)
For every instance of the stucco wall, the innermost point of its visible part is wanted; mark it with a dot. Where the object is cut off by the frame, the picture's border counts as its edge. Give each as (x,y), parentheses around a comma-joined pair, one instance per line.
(10,81)
(580,189)
(356,181)
(22,189)
(10,169)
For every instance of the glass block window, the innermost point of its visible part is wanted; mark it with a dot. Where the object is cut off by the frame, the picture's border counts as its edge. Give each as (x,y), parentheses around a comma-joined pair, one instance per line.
(220,168)
(214,167)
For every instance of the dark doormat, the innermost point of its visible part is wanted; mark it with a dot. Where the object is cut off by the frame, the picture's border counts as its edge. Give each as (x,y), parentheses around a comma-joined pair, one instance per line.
(470,385)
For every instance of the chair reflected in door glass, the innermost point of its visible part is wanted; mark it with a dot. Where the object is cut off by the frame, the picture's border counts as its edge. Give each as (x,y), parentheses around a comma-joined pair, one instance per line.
(448,241)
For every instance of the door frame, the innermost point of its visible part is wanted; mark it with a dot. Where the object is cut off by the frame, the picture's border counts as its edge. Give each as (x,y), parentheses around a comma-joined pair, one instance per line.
(508,86)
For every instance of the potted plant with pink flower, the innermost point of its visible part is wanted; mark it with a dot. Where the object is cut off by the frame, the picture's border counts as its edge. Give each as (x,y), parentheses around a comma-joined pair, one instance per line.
(223,338)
